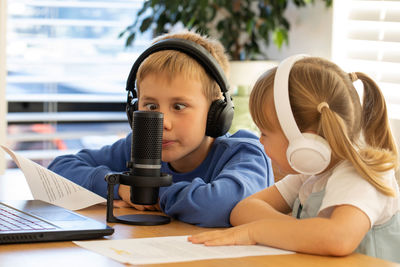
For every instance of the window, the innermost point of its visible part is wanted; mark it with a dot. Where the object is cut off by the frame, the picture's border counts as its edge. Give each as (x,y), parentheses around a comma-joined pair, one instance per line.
(366,38)
(3,103)
(66,74)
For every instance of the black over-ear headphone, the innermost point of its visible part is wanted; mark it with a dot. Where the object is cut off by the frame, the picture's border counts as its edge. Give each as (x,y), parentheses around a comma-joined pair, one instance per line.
(220,114)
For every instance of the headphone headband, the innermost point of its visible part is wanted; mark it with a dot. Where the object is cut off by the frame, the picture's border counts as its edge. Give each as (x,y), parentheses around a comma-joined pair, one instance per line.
(307,153)
(220,113)
(192,49)
(281,98)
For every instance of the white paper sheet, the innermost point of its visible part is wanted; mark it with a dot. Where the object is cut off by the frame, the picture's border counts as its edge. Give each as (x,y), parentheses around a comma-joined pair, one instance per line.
(170,249)
(50,187)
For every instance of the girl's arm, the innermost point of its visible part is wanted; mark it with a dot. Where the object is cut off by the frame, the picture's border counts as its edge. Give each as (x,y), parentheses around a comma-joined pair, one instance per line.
(338,235)
(266,204)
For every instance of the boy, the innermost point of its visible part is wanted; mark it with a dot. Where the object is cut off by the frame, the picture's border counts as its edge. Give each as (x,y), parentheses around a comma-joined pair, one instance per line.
(210,175)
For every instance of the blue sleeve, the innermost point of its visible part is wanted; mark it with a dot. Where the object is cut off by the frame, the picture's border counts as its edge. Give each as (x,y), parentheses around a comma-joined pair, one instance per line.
(209,204)
(88,168)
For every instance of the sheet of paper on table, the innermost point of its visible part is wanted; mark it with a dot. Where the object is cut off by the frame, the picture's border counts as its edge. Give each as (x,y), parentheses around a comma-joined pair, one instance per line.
(169,249)
(50,187)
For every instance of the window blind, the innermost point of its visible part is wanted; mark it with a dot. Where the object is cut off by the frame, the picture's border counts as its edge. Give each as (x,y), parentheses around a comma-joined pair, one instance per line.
(3,102)
(366,38)
(66,74)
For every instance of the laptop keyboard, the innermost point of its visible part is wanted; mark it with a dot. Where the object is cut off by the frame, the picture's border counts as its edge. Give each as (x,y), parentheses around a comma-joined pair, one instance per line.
(14,220)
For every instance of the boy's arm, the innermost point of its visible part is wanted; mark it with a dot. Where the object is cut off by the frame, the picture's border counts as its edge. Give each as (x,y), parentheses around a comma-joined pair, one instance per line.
(89,167)
(209,204)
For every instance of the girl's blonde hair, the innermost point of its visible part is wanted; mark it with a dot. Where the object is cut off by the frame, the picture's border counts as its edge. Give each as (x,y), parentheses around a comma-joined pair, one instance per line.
(314,80)
(174,63)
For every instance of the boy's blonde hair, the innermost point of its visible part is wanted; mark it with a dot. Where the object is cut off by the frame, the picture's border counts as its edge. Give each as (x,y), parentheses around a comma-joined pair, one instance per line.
(174,63)
(314,80)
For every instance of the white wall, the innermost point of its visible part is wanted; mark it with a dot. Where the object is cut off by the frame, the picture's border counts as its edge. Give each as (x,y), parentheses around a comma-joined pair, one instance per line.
(3,103)
(310,32)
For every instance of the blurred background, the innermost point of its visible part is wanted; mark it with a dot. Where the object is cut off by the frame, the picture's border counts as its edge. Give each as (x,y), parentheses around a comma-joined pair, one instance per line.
(64,63)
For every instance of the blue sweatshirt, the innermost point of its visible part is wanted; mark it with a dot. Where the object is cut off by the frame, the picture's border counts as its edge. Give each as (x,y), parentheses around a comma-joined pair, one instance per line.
(235,168)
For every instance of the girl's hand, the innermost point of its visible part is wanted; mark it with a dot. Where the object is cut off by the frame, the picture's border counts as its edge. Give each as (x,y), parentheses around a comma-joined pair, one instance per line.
(238,235)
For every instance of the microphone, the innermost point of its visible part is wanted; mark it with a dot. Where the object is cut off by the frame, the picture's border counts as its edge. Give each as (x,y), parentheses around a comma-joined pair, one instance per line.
(144,176)
(145,163)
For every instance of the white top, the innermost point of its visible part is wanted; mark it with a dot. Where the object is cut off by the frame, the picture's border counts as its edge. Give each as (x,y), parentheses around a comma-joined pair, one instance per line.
(343,185)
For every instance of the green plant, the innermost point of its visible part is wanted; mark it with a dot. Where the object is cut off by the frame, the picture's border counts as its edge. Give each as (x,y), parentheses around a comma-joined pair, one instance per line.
(242,26)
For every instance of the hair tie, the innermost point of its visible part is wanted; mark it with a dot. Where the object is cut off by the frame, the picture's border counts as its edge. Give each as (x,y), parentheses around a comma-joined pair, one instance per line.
(353,76)
(321,106)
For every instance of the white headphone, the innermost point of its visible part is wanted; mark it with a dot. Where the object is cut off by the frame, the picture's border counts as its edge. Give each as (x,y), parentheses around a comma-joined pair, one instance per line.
(307,153)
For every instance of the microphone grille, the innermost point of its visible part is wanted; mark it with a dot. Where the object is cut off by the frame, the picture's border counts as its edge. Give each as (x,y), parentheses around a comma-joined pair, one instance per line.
(147,131)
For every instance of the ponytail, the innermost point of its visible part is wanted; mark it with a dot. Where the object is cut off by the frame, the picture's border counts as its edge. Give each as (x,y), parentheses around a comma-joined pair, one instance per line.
(379,153)
(374,121)
(369,163)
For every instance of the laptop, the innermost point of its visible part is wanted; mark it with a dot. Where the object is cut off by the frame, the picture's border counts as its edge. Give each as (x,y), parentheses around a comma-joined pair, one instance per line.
(23,221)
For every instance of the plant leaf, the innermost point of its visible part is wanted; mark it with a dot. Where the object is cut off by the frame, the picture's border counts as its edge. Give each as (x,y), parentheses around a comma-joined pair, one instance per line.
(279,37)
(244,27)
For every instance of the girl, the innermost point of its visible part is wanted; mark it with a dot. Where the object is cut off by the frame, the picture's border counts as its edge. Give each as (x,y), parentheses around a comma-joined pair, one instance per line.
(341,189)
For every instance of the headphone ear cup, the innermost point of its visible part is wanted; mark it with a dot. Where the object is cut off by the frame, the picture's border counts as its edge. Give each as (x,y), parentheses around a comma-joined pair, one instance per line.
(130,108)
(219,118)
(135,104)
(310,154)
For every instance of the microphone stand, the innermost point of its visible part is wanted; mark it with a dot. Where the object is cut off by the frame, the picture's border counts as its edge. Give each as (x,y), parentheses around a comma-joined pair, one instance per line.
(127,178)
(144,176)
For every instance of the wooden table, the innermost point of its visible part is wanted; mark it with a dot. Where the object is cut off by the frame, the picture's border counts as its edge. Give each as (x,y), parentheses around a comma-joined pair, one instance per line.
(58,254)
